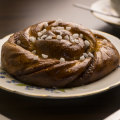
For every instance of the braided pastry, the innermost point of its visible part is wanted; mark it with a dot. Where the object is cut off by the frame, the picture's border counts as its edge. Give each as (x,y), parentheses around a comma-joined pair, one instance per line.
(58,54)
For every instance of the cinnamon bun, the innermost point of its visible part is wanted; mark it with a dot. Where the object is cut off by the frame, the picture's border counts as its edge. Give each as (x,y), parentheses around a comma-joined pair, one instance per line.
(58,54)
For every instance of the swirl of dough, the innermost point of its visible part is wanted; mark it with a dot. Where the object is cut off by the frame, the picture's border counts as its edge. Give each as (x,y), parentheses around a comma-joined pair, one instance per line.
(58,54)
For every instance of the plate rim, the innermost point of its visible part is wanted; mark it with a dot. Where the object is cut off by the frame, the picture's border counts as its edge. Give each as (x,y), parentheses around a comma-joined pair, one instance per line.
(101,18)
(63,96)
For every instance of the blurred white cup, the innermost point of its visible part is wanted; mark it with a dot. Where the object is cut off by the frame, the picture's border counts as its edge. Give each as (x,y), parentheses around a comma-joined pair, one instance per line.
(116,5)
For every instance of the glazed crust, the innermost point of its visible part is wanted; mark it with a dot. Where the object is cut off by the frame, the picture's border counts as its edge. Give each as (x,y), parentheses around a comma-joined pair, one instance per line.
(31,68)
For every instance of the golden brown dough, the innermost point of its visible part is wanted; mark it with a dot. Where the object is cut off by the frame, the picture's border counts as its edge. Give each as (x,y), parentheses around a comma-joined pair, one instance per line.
(58,54)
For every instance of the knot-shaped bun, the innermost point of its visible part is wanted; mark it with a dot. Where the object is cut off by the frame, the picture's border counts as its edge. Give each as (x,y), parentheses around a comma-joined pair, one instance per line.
(58,54)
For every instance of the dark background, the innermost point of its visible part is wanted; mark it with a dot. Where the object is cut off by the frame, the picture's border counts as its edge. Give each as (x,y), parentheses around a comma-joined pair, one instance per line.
(18,14)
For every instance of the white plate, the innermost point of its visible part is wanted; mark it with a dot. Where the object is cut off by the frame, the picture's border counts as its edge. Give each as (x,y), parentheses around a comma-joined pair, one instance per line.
(105,7)
(10,84)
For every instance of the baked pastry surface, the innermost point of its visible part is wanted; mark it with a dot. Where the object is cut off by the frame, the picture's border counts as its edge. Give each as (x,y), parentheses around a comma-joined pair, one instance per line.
(58,54)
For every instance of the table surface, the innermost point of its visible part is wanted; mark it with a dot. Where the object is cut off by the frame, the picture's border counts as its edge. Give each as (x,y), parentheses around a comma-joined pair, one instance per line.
(18,14)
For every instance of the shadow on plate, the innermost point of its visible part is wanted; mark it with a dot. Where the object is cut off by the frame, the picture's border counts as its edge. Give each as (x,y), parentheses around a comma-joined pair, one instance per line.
(111,29)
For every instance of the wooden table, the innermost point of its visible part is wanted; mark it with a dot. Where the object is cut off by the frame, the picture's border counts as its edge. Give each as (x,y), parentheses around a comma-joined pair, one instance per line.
(18,14)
